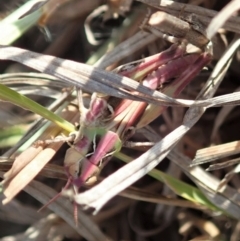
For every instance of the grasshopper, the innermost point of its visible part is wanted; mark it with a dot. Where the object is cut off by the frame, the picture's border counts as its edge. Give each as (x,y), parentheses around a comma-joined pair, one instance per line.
(82,167)
(81,170)
(101,120)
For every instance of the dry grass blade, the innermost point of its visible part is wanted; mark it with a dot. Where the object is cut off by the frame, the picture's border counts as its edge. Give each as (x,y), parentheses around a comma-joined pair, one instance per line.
(17,182)
(96,80)
(229,176)
(227,199)
(36,79)
(85,76)
(147,196)
(23,160)
(222,115)
(15,211)
(220,19)
(48,229)
(223,164)
(49,171)
(223,100)
(216,152)
(63,208)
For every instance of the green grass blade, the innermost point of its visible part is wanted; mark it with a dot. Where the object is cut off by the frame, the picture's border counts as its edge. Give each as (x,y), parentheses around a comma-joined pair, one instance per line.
(9,136)
(11,28)
(182,189)
(7,94)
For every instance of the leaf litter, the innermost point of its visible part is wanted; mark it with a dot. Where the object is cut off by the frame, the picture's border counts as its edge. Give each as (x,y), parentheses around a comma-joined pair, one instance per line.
(94,79)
